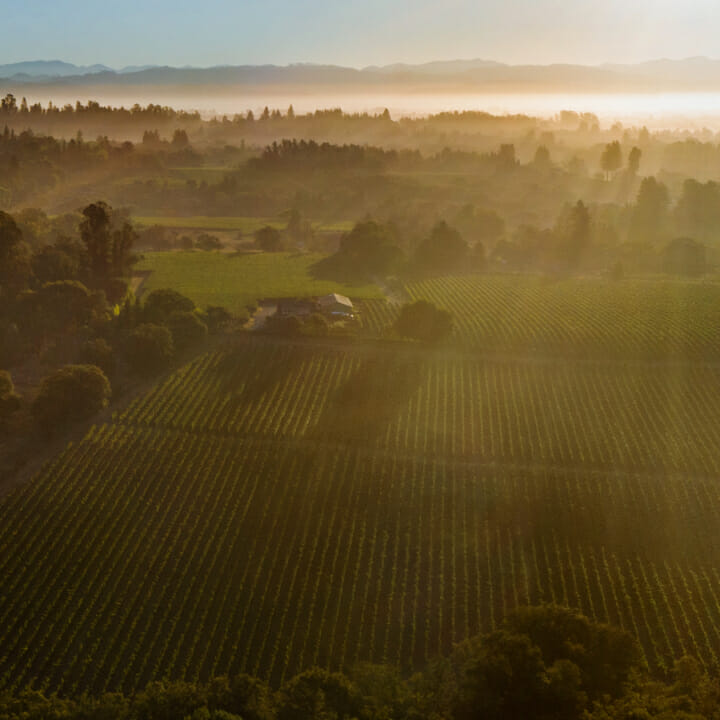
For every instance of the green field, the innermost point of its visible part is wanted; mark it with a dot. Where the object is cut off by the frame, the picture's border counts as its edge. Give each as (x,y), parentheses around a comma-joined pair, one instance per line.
(589,317)
(271,507)
(244,225)
(232,281)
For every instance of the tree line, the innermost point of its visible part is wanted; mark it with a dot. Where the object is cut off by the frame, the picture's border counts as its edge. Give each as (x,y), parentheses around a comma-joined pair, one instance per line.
(546,663)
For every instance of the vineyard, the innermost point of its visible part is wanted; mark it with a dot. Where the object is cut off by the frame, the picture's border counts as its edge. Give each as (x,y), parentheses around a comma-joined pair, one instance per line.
(272,507)
(648,318)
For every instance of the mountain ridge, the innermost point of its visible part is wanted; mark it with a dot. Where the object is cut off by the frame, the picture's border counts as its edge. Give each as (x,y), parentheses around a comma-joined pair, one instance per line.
(688,74)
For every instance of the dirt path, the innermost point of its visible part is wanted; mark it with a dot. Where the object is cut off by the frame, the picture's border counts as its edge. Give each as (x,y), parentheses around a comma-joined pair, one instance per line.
(137,282)
(264,311)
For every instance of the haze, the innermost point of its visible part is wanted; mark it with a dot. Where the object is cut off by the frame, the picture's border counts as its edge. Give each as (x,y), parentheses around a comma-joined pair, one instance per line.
(357,34)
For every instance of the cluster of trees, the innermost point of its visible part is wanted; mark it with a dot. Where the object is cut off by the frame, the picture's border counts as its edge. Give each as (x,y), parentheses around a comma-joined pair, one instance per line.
(65,307)
(91,117)
(421,320)
(373,249)
(583,238)
(140,339)
(547,663)
(33,164)
(632,219)
(63,288)
(298,233)
(290,155)
(312,325)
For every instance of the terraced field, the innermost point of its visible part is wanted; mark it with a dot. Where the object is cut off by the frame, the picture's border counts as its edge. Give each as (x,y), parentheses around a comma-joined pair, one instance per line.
(273,506)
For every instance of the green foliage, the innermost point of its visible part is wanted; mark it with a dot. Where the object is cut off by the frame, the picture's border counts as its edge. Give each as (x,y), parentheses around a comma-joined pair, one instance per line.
(442,252)
(368,250)
(242,224)
(697,212)
(611,158)
(10,234)
(650,214)
(421,320)
(15,266)
(187,329)
(240,279)
(318,693)
(573,234)
(268,239)
(305,155)
(685,256)
(545,662)
(109,248)
(314,325)
(289,325)
(502,675)
(98,352)
(9,400)
(64,303)
(95,233)
(160,304)
(217,318)
(634,160)
(479,225)
(74,392)
(149,348)
(53,263)
(205,241)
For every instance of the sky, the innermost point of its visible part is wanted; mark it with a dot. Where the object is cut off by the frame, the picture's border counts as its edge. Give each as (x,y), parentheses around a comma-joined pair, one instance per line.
(355,33)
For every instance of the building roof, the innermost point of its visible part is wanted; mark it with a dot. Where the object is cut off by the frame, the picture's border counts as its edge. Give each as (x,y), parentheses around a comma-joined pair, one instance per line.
(334,299)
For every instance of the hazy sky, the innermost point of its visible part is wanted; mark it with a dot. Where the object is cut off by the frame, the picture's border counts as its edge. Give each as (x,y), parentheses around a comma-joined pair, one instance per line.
(355,33)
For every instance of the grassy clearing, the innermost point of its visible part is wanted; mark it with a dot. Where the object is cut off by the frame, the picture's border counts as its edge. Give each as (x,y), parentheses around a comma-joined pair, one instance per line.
(244,225)
(234,280)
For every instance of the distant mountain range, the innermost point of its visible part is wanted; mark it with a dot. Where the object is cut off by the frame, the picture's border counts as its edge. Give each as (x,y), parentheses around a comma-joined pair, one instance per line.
(43,70)
(691,74)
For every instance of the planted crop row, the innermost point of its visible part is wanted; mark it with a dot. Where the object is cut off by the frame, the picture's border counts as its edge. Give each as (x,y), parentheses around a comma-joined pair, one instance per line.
(602,416)
(650,318)
(376,316)
(173,554)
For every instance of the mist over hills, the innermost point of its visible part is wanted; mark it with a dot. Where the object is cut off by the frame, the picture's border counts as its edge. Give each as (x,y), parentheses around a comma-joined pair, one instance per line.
(690,74)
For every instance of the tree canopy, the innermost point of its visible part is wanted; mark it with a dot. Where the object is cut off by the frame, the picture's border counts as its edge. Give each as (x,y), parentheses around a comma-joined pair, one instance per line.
(149,348)
(73,392)
(443,251)
(421,320)
(160,304)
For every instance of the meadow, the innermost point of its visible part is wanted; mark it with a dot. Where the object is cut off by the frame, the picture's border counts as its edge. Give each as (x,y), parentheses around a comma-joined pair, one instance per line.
(234,280)
(273,506)
(240,224)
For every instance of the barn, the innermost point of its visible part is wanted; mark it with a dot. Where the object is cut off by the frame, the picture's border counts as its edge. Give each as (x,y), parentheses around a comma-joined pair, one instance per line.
(336,305)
